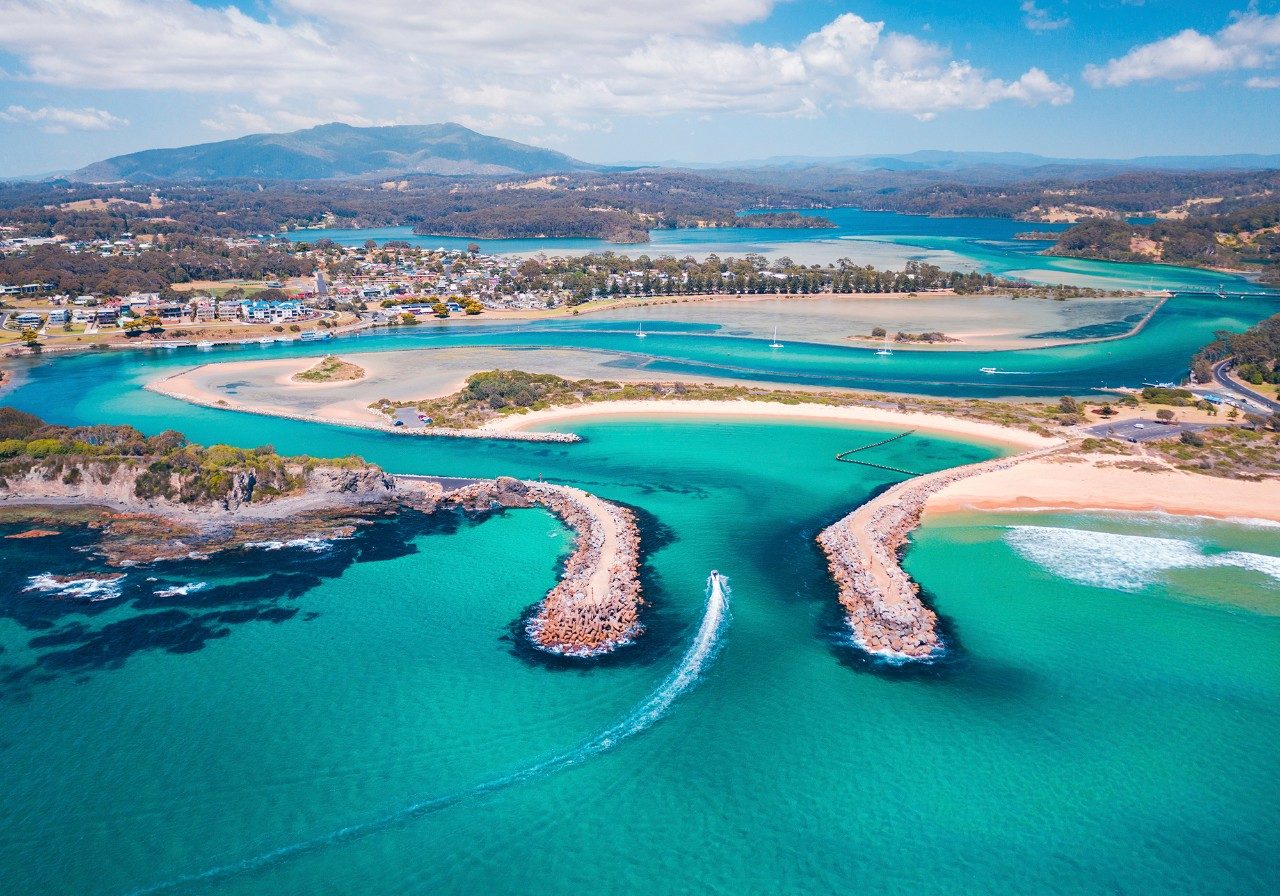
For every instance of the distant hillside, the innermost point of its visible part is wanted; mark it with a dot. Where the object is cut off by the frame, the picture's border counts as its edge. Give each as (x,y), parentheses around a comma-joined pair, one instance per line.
(945,161)
(334,151)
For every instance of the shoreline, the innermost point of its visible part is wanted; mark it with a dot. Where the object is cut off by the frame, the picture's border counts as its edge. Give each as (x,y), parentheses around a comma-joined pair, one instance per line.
(1084,482)
(183,386)
(375,422)
(593,609)
(882,603)
(875,417)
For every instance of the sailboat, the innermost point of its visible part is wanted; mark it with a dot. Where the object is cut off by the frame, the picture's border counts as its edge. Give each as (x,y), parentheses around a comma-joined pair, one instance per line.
(886,350)
(775,343)
(640,331)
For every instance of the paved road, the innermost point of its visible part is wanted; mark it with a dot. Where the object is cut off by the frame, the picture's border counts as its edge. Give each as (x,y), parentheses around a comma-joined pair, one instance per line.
(1144,430)
(1220,375)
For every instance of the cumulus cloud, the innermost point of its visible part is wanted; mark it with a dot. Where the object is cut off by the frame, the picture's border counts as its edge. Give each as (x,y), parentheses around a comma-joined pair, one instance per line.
(1250,41)
(58,120)
(1037,18)
(565,63)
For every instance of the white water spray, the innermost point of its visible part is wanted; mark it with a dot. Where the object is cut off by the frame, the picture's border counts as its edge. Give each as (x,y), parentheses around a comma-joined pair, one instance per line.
(701,651)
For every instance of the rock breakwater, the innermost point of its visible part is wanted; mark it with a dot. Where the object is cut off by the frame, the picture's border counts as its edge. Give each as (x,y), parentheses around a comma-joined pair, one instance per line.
(882,603)
(595,608)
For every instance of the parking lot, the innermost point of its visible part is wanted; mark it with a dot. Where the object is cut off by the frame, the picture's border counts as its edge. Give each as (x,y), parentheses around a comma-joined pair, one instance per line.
(1143,430)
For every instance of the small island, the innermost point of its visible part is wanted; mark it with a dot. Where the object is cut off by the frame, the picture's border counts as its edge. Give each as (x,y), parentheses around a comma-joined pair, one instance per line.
(330,369)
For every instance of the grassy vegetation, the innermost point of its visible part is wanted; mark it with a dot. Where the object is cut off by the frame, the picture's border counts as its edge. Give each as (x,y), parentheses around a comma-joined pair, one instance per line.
(1236,452)
(331,369)
(167,466)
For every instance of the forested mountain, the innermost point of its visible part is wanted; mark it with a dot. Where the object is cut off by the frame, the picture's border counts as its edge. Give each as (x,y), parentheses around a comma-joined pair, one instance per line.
(333,151)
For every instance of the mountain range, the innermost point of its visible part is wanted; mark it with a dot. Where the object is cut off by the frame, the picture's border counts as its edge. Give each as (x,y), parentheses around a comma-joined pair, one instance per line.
(337,151)
(334,151)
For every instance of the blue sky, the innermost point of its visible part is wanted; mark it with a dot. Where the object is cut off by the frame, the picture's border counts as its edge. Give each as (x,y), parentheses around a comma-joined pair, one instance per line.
(656,80)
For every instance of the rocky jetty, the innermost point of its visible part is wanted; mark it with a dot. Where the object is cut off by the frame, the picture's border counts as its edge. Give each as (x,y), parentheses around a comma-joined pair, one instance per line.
(595,608)
(882,603)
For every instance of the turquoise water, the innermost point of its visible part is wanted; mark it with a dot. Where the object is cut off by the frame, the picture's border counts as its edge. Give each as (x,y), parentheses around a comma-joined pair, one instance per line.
(886,240)
(1081,739)
(360,717)
(83,386)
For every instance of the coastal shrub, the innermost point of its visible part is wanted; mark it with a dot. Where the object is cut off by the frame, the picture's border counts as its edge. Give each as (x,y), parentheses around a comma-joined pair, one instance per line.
(1161,395)
(12,447)
(16,424)
(44,447)
(155,481)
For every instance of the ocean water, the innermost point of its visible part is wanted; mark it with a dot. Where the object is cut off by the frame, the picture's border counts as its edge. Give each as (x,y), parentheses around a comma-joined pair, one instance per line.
(359,717)
(886,240)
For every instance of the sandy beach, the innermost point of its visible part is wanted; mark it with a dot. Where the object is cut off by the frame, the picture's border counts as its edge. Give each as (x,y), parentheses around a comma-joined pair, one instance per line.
(267,387)
(938,424)
(1106,482)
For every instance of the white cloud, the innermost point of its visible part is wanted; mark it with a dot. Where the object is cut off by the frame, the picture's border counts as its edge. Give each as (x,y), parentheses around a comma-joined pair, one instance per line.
(572,63)
(1250,41)
(1036,18)
(1263,83)
(58,120)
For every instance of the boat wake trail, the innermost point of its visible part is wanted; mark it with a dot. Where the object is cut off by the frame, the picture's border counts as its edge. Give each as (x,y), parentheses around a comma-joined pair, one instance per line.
(697,657)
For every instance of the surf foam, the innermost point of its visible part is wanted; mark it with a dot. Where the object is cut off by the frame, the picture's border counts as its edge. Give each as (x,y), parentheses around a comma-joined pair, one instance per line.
(89,588)
(1123,562)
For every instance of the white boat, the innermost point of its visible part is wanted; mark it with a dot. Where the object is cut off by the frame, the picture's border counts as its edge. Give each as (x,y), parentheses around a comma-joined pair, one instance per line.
(775,343)
(987,369)
(313,336)
(640,332)
(204,344)
(886,350)
(265,340)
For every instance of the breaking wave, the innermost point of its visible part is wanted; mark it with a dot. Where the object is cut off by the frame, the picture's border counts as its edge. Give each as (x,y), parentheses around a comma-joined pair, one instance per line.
(1123,562)
(90,588)
(312,543)
(697,657)
(182,590)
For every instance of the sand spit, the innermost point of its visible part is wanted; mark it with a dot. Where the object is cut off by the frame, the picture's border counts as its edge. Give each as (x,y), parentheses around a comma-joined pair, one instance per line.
(372,420)
(595,608)
(882,603)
